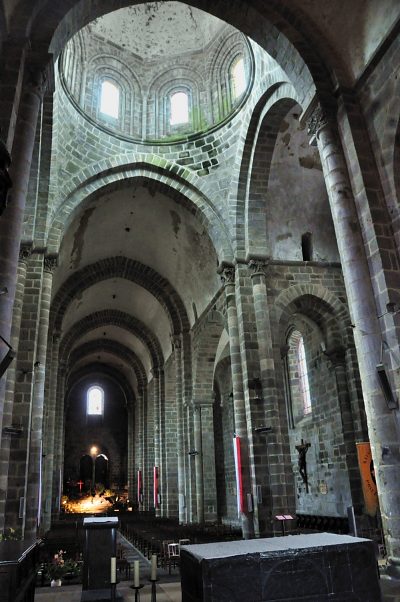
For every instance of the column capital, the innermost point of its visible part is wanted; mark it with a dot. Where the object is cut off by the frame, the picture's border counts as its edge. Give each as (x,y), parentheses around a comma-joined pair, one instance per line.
(227,273)
(318,119)
(25,251)
(176,342)
(39,74)
(50,263)
(336,355)
(258,266)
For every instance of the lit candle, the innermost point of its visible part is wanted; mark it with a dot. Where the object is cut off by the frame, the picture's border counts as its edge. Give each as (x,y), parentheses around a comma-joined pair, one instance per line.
(113,570)
(136,574)
(153,573)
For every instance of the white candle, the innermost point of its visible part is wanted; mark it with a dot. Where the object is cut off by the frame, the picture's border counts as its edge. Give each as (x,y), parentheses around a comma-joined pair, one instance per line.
(136,574)
(113,570)
(153,573)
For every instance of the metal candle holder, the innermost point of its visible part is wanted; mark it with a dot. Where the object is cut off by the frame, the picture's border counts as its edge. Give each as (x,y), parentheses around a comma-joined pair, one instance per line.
(137,591)
(153,590)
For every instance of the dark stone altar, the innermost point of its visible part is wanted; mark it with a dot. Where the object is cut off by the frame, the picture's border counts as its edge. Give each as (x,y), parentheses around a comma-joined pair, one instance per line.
(310,568)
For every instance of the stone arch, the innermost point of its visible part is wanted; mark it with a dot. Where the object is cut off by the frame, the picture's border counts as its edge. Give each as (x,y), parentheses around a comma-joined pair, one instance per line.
(102,67)
(321,306)
(130,269)
(115,348)
(280,30)
(254,173)
(157,174)
(203,357)
(178,78)
(227,50)
(97,368)
(114,318)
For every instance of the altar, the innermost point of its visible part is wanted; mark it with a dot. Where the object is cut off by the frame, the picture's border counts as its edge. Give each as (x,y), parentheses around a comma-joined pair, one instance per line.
(318,567)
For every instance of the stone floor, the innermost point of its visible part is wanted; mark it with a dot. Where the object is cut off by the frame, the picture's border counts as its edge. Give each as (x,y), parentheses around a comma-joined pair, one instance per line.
(166,592)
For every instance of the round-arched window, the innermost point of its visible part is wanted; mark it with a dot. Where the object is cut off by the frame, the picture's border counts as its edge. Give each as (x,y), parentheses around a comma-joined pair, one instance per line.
(109,99)
(179,108)
(238,78)
(95,401)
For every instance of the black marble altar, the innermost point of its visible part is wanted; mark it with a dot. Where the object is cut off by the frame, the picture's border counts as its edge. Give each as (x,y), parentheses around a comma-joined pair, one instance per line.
(310,568)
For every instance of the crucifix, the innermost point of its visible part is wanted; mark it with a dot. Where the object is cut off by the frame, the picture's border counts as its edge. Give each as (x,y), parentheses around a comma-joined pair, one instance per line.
(302,450)
(80,483)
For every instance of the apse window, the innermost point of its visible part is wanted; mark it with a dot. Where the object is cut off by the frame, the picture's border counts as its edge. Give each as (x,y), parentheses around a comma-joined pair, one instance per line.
(179,108)
(95,401)
(109,99)
(303,377)
(238,75)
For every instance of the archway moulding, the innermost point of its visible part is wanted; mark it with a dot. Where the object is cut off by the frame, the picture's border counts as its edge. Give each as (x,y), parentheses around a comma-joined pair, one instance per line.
(96,370)
(121,267)
(251,238)
(279,27)
(174,181)
(114,348)
(325,303)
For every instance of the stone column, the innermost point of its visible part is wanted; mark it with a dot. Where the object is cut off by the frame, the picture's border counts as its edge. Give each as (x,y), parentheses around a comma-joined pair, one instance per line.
(157,458)
(35,465)
(59,436)
(198,464)
(139,423)
(6,409)
(177,347)
(49,439)
(337,358)
(12,219)
(275,475)
(228,279)
(131,454)
(382,426)
(162,451)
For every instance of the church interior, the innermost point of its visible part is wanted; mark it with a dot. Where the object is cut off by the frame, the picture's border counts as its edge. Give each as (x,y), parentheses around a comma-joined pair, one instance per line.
(200,272)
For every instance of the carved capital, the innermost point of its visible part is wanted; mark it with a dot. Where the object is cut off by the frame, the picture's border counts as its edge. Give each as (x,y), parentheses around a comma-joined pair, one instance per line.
(337,356)
(176,342)
(25,251)
(258,267)
(319,118)
(36,80)
(50,264)
(227,275)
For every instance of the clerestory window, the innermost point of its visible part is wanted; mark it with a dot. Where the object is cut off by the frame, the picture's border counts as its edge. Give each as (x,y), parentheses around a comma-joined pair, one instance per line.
(303,376)
(95,401)
(179,108)
(238,75)
(109,99)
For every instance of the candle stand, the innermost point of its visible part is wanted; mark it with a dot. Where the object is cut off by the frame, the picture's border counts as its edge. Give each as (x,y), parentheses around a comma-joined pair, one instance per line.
(153,590)
(137,589)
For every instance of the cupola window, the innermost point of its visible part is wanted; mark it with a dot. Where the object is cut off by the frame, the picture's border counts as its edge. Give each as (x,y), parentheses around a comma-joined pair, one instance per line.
(238,75)
(179,102)
(109,99)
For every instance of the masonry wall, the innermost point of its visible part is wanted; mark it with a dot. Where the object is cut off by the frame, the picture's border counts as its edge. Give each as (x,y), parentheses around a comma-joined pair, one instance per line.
(109,434)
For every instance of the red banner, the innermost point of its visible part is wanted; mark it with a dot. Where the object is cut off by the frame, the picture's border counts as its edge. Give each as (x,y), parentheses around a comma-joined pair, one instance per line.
(155,486)
(238,470)
(367,478)
(139,487)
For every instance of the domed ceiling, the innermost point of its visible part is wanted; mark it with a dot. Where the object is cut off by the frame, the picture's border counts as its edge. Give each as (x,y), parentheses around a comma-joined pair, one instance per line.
(149,53)
(157,29)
